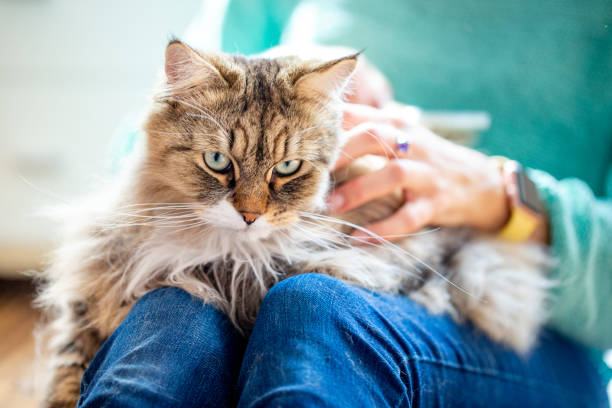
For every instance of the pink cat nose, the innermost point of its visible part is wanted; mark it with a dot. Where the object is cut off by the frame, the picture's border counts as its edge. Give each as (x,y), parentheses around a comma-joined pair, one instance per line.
(249,217)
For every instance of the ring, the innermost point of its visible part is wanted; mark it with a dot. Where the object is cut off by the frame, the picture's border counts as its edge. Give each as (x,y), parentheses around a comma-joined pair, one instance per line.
(402,144)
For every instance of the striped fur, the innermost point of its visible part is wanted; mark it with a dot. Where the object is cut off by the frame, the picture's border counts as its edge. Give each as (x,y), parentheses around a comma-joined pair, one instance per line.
(172,221)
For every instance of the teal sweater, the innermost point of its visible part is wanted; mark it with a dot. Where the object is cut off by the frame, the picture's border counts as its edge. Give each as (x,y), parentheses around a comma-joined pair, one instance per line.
(542,69)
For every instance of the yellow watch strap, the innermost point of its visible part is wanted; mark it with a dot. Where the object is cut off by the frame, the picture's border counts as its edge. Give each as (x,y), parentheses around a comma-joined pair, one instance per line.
(520,226)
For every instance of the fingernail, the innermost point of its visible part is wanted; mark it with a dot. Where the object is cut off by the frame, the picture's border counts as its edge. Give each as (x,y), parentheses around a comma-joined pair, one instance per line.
(335,201)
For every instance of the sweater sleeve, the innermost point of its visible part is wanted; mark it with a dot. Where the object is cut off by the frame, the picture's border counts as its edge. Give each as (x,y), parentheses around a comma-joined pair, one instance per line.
(581,241)
(252,26)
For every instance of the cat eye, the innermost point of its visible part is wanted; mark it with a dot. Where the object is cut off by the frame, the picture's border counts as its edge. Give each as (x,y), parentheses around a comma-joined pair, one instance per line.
(217,162)
(287,167)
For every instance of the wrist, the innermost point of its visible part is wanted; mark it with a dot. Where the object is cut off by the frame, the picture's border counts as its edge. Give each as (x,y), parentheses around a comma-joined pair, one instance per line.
(498,201)
(493,209)
(527,217)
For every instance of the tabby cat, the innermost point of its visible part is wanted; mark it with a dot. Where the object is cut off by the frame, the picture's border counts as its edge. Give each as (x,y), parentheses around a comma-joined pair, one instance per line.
(226,198)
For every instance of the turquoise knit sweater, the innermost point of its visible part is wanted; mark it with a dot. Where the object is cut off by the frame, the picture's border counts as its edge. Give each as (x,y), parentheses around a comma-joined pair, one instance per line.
(542,69)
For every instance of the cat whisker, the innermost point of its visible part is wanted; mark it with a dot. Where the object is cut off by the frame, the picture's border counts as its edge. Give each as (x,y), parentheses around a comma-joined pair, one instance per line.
(161,216)
(414,234)
(199,224)
(41,190)
(110,227)
(326,243)
(155,211)
(382,242)
(383,144)
(155,214)
(162,222)
(155,206)
(387,244)
(335,244)
(346,238)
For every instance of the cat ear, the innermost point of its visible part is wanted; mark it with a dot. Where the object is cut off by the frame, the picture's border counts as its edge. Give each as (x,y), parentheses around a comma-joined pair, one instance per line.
(328,80)
(184,63)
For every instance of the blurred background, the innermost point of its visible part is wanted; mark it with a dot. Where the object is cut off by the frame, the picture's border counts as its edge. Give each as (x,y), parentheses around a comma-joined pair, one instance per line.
(71,73)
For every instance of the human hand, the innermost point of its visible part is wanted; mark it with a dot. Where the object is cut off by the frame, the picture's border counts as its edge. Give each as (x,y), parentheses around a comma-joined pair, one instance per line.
(443,183)
(369,86)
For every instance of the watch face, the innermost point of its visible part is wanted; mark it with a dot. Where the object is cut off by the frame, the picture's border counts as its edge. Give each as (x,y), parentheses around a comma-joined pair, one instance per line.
(528,194)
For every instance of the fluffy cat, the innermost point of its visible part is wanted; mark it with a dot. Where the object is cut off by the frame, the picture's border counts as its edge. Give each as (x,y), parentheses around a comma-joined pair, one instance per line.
(226,199)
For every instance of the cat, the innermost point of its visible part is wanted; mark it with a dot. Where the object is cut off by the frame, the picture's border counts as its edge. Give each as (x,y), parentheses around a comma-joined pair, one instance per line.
(227,198)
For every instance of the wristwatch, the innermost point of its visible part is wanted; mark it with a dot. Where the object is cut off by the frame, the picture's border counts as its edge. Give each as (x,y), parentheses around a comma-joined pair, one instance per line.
(527,211)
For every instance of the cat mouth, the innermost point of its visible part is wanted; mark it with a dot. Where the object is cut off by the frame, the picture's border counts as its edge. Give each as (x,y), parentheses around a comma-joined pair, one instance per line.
(246,232)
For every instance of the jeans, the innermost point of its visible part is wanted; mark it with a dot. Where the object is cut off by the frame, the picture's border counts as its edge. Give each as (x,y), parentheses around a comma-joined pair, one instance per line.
(319,342)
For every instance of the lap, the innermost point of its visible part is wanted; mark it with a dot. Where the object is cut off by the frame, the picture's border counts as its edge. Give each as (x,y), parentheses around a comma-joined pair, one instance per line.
(320,342)
(353,344)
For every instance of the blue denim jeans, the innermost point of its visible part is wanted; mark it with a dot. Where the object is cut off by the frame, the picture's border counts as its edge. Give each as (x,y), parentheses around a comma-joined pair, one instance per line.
(319,342)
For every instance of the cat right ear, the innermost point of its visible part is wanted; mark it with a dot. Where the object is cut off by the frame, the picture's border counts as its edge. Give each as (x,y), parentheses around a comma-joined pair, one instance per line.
(185,64)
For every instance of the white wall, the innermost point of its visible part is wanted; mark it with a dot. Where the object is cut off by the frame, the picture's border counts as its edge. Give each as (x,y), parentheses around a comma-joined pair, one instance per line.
(70,72)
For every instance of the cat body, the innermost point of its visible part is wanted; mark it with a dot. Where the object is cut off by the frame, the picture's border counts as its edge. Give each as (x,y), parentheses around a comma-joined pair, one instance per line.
(227,198)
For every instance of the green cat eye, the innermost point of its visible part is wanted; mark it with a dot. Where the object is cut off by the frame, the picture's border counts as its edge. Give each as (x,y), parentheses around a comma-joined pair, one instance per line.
(217,162)
(287,167)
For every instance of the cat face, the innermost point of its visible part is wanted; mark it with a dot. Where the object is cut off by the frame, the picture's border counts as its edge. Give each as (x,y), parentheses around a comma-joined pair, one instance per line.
(249,140)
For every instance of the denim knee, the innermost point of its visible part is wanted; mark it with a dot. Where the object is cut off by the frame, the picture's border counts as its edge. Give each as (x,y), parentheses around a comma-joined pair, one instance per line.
(172,348)
(309,291)
(318,341)
(174,310)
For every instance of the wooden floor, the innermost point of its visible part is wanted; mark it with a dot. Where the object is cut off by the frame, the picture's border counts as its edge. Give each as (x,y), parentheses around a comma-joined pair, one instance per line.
(18,375)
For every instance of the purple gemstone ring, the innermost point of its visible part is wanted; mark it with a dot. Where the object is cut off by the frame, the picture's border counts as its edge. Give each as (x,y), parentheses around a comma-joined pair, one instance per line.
(402,144)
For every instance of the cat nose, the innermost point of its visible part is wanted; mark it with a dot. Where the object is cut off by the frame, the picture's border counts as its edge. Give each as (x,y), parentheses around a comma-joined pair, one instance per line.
(249,217)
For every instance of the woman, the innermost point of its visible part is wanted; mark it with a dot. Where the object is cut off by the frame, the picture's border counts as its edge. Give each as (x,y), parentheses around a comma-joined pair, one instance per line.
(542,72)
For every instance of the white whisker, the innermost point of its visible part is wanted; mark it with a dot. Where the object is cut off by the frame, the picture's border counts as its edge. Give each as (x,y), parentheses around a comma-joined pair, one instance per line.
(38,189)
(387,243)
(383,144)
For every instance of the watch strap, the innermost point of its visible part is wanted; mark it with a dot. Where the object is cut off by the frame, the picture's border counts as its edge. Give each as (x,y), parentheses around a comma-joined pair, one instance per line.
(523,221)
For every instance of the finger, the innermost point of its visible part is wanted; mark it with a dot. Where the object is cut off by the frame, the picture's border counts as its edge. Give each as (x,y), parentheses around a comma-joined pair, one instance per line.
(410,218)
(376,94)
(396,174)
(371,138)
(392,113)
(355,114)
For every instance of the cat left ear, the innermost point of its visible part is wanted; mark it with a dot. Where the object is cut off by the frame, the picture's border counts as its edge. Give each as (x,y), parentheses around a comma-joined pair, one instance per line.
(183,63)
(328,80)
